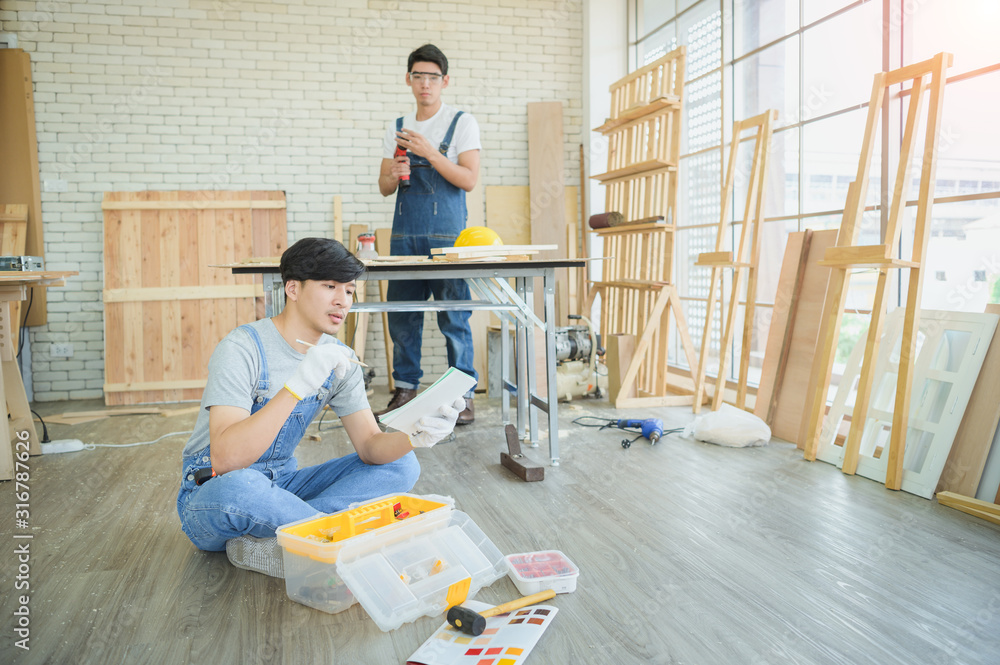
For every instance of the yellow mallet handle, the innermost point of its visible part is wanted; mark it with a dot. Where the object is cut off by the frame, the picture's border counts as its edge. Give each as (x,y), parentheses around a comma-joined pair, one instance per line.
(519,603)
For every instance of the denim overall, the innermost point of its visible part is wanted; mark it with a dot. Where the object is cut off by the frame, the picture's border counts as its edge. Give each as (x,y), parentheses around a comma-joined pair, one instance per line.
(272,491)
(430,213)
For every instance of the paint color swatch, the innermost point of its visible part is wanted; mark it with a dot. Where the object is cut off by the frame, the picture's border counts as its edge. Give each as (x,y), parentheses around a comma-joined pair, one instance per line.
(507,640)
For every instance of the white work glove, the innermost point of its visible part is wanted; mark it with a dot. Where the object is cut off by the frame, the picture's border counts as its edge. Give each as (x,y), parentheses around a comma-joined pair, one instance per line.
(316,367)
(431,429)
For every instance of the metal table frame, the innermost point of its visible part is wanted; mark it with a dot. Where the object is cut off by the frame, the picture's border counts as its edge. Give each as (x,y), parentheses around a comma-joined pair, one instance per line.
(514,305)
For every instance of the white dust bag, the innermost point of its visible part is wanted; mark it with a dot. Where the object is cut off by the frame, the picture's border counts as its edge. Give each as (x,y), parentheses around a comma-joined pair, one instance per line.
(730,427)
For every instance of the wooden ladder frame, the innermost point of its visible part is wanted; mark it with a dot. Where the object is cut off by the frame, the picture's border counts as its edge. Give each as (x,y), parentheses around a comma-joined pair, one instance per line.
(846,256)
(745,259)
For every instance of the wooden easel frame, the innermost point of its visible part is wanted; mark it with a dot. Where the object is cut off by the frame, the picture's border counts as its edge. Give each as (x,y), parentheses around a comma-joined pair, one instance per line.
(745,259)
(846,256)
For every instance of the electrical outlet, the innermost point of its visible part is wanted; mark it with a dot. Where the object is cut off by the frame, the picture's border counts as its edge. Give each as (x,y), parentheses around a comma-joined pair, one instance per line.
(61,350)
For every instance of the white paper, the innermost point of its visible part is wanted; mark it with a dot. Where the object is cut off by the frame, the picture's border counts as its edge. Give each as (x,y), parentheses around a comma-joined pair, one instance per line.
(452,385)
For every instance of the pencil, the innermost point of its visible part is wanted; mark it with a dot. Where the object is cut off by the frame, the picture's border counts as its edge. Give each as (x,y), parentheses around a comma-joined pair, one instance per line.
(356,362)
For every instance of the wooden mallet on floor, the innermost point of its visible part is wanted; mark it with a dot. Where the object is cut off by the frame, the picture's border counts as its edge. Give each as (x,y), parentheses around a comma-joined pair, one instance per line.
(474,623)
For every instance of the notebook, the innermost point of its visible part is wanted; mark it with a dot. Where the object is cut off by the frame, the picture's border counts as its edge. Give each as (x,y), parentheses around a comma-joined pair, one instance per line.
(452,385)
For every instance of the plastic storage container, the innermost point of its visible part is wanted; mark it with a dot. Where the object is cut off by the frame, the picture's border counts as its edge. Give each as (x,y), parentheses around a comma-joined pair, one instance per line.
(532,572)
(310,547)
(399,580)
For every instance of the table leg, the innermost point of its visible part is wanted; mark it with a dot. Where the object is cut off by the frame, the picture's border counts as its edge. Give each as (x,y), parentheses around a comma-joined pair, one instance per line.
(529,299)
(274,293)
(523,369)
(548,283)
(504,370)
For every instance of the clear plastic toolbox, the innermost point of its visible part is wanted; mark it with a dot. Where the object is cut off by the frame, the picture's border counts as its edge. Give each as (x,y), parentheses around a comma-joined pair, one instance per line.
(398,580)
(310,547)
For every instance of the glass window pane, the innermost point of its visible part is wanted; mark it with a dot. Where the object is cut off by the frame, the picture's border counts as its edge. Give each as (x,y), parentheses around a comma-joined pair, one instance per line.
(655,13)
(700,29)
(700,190)
(831,150)
(966,28)
(813,10)
(783,175)
(657,45)
(759,22)
(840,59)
(769,80)
(964,248)
(702,114)
(969,142)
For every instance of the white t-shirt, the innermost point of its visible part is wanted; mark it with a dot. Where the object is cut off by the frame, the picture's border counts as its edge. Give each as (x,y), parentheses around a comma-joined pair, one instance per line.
(466,135)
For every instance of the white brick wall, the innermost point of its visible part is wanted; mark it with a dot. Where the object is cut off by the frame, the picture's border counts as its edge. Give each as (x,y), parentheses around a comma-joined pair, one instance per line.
(291,95)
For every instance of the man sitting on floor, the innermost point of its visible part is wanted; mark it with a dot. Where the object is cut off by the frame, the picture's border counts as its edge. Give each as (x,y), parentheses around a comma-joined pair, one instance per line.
(266,382)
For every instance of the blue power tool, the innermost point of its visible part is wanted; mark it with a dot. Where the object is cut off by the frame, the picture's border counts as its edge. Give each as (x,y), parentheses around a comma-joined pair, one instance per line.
(651,428)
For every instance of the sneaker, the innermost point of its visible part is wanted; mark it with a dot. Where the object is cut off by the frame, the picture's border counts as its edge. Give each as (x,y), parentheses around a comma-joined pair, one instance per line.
(468,415)
(400,397)
(261,555)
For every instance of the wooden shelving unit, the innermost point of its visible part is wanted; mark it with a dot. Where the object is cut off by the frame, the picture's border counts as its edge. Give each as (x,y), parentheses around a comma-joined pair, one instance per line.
(638,298)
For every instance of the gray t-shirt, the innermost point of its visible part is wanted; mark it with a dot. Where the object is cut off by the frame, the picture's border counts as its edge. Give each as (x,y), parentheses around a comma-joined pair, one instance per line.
(235,367)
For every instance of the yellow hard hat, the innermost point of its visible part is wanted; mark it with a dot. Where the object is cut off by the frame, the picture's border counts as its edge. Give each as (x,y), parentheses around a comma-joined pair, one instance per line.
(477,236)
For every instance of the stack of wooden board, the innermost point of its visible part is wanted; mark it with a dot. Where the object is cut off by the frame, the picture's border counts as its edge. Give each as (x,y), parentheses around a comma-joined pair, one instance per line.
(490,252)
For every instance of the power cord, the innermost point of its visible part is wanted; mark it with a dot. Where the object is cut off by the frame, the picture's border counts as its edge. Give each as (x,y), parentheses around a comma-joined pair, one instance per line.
(27,311)
(45,430)
(91,446)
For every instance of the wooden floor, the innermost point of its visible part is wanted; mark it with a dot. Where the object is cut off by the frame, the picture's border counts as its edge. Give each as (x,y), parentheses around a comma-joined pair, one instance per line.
(689,553)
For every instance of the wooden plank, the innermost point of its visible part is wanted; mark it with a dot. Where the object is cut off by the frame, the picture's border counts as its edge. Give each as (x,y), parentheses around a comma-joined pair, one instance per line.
(195,204)
(982,509)
(133,386)
(14,222)
(618,355)
(967,459)
(639,112)
(160,293)
(19,411)
(338,218)
(508,212)
(790,409)
(495,249)
(546,181)
(348,333)
(19,176)
(383,240)
(648,167)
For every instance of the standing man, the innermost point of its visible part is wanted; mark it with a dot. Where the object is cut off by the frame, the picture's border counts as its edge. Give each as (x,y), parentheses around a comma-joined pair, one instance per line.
(440,165)
(266,382)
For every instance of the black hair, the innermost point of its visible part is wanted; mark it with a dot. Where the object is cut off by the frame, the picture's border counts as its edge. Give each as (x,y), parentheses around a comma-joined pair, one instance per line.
(319,259)
(428,53)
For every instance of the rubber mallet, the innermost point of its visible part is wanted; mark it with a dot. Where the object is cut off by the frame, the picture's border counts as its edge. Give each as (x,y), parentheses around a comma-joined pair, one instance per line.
(474,623)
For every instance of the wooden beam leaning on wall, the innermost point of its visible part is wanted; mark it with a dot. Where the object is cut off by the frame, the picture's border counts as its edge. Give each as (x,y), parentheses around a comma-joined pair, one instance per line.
(971,447)
(783,394)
